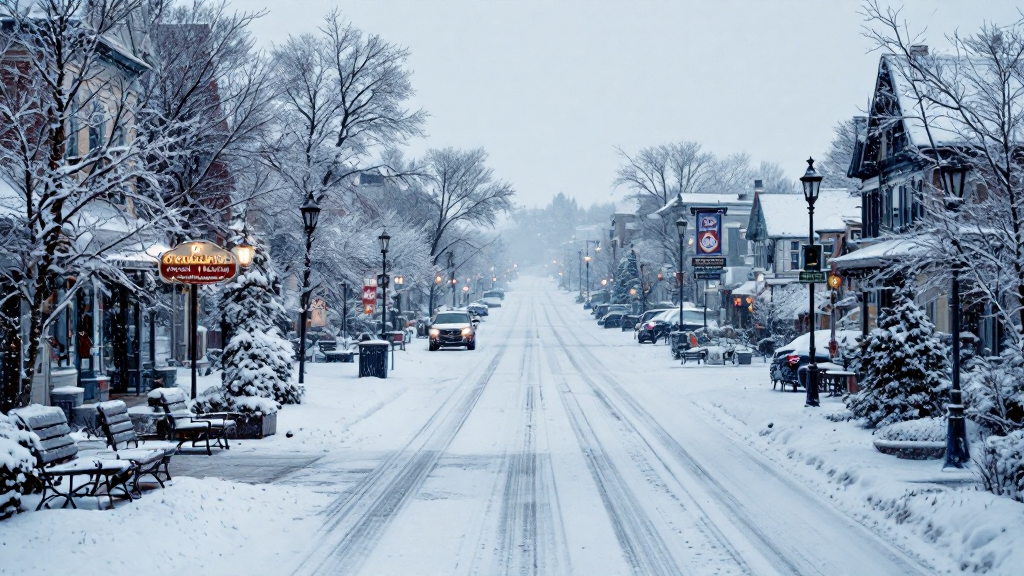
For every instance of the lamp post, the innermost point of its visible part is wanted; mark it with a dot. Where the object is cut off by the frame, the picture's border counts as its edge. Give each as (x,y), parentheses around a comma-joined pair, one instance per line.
(310,215)
(579,273)
(953,177)
(811,182)
(384,239)
(587,259)
(344,310)
(438,280)
(399,281)
(451,275)
(681,225)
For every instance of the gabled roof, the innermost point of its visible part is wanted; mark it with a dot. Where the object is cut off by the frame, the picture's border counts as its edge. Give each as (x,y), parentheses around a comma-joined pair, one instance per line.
(700,199)
(785,215)
(922,118)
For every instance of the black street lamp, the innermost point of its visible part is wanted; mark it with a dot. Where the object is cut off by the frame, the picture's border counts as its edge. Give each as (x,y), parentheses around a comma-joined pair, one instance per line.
(681,225)
(384,240)
(579,273)
(310,215)
(953,177)
(811,182)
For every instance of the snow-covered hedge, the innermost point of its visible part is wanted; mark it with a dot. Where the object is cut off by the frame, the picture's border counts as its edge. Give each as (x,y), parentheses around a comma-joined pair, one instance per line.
(920,430)
(16,466)
(1001,465)
(994,392)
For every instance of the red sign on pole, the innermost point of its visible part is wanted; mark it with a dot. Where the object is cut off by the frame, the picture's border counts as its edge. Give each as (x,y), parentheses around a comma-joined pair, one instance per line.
(369,295)
(198,262)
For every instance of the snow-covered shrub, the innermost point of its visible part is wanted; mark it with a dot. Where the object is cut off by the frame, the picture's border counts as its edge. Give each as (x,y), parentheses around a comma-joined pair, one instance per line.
(994,392)
(904,371)
(16,466)
(1001,465)
(257,360)
(920,430)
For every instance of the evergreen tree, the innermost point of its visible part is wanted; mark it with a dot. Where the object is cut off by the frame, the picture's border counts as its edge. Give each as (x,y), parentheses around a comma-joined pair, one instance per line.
(626,276)
(257,360)
(905,370)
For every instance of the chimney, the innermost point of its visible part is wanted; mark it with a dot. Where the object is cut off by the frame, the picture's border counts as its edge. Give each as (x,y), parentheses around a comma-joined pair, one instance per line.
(744,195)
(918,50)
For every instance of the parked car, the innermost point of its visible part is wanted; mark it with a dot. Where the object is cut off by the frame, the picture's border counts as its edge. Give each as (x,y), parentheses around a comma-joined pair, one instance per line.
(629,322)
(452,328)
(613,319)
(659,326)
(788,359)
(619,308)
(646,316)
(478,308)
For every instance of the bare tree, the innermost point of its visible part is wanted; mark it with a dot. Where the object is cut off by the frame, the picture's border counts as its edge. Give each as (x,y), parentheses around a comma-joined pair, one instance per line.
(70,202)
(211,91)
(836,161)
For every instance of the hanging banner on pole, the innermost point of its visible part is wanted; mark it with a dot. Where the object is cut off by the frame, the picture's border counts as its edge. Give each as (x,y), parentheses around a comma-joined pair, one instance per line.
(369,295)
(709,233)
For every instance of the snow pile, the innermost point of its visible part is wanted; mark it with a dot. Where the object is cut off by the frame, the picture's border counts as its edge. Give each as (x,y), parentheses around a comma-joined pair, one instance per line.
(193,526)
(16,466)
(904,367)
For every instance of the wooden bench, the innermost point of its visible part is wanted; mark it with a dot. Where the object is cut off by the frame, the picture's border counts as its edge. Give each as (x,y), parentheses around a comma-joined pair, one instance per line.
(339,356)
(57,459)
(698,355)
(119,431)
(184,426)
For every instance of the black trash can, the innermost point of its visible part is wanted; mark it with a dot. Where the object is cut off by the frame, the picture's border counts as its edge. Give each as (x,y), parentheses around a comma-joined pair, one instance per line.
(373,358)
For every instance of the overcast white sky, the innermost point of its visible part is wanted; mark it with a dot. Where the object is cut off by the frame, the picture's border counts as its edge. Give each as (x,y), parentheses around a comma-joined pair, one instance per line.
(549,89)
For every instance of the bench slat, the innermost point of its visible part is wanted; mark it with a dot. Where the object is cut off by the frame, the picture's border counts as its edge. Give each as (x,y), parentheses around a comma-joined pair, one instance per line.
(55,431)
(119,427)
(58,454)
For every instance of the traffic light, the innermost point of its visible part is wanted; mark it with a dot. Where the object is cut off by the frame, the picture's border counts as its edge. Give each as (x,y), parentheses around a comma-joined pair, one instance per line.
(812,257)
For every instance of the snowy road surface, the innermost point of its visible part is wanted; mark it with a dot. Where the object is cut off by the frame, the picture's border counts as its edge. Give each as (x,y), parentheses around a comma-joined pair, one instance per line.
(544,452)
(549,450)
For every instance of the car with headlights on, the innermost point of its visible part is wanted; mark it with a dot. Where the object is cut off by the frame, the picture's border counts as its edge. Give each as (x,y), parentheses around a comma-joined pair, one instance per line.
(452,328)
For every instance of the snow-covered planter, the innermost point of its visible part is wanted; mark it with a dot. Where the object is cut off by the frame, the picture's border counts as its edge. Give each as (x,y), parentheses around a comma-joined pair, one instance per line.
(922,439)
(16,466)
(1001,465)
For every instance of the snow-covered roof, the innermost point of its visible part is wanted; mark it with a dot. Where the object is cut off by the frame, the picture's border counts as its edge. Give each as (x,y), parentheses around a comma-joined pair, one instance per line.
(785,215)
(627,206)
(881,253)
(748,288)
(701,199)
(942,122)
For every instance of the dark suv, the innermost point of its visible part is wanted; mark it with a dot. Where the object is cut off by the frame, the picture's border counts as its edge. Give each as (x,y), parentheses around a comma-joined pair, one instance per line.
(452,328)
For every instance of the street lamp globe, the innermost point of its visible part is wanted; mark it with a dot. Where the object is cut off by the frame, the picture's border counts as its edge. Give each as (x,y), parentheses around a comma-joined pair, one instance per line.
(384,240)
(681,225)
(245,253)
(438,279)
(604,282)
(811,182)
(310,214)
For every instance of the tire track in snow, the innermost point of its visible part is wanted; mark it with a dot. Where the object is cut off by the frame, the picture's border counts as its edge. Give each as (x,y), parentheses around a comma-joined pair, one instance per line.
(780,560)
(642,545)
(357,520)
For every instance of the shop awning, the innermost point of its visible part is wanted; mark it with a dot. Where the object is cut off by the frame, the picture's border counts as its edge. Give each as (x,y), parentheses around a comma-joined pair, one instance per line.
(748,288)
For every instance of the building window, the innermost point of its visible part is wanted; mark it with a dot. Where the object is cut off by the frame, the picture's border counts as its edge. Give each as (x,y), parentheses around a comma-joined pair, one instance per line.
(97,127)
(794,255)
(829,249)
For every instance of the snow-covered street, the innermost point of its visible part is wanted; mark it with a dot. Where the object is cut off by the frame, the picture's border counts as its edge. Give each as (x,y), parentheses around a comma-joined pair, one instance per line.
(556,447)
